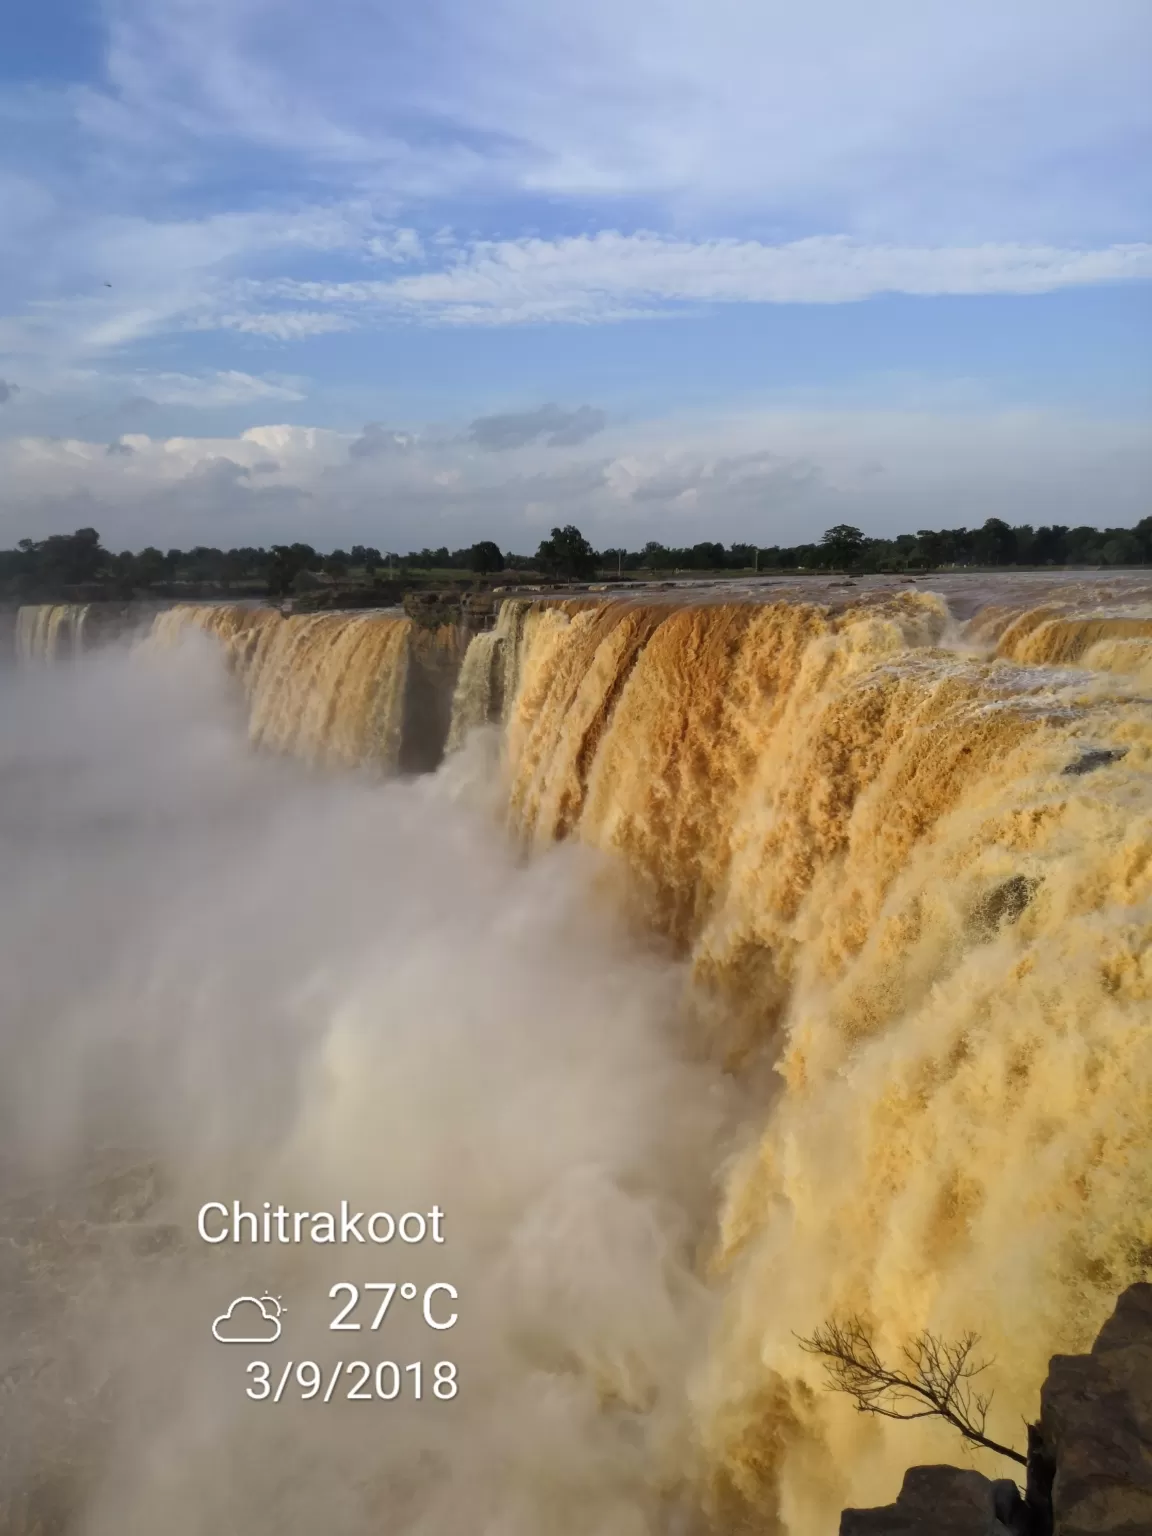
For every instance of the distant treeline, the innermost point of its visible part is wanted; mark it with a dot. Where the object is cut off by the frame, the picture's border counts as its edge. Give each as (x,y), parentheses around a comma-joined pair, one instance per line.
(62,563)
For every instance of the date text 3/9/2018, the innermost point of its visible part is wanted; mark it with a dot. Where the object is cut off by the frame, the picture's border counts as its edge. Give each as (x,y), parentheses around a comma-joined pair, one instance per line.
(355,1380)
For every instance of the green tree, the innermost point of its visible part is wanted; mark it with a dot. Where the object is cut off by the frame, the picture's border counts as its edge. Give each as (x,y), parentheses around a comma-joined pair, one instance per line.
(843,545)
(70,558)
(287,559)
(996,543)
(1048,544)
(1121,549)
(567,553)
(486,557)
(151,566)
(708,556)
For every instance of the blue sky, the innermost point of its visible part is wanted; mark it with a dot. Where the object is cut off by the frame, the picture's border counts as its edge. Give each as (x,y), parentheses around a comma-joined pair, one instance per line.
(666,268)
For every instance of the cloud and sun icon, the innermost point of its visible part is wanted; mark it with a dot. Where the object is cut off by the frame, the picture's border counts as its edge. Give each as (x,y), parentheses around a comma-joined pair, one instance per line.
(250,1320)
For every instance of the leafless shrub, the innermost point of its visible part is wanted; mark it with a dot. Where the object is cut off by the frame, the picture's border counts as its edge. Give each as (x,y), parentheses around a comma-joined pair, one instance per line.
(934,1380)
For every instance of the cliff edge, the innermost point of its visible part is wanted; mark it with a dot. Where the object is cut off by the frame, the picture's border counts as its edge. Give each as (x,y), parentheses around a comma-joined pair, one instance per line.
(1089,1456)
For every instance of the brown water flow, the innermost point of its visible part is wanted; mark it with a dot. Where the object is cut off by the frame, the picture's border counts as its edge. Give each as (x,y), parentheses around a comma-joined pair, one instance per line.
(906,866)
(912,870)
(332,688)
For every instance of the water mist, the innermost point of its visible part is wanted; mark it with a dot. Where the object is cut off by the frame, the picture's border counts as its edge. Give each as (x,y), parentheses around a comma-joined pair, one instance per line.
(225,977)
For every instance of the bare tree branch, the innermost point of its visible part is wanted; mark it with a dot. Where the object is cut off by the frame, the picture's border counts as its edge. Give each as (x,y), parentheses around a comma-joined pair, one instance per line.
(935,1383)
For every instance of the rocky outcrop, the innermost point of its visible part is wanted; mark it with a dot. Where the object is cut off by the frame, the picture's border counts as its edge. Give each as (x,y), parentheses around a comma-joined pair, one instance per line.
(472,611)
(943,1501)
(1089,1456)
(1096,1425)
(332,597)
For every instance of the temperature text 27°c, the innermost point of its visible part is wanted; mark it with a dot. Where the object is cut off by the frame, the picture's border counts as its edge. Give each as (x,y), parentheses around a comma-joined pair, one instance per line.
(434,1302)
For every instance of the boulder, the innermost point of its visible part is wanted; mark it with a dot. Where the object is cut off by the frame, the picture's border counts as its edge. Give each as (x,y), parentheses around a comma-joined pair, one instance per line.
(1096,1425)
(940,1501)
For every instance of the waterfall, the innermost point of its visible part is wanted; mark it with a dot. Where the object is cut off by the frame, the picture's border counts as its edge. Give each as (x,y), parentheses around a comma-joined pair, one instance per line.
(346,690)
(50,631)
(894,871)
(894,883)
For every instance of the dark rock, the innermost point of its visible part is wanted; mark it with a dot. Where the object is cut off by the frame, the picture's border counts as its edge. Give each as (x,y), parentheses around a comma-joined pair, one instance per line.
(1089,1457)
(475,611)
(1038,1492)
(1009,1508)
(329,597)
(1004,903)
(1096,1425)
(1099,757)
(934,1501)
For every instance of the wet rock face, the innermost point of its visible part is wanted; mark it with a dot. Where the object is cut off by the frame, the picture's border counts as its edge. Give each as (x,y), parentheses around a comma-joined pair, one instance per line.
(1096,1423)
(1089,1457)
(1099,757)
(941,1501)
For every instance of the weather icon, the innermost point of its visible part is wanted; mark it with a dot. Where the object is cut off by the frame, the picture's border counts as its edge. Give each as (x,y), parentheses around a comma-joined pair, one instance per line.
(250,1320)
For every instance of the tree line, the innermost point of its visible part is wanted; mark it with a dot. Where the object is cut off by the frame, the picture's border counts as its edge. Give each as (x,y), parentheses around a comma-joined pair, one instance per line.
(63,563)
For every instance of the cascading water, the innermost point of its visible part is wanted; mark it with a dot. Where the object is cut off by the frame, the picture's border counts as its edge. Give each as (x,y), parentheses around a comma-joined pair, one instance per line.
(50,631)
(344,690)
(888,876)
(897,870)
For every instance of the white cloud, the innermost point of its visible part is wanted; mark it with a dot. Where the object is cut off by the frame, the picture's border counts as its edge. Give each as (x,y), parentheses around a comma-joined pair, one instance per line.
(611,275)
(556,427)
(377,439)
(772,476)
(102,282)
(289,325)
(894,119)
(208,391)
(958,149)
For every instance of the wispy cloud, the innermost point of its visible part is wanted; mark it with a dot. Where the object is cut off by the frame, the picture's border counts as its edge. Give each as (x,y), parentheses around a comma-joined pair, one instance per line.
(509,164)
(212,390)
(102,283)
(983,119)
(609,275)
(288,325)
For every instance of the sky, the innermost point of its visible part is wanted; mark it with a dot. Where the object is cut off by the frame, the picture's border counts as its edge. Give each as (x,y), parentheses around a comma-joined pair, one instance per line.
(410,275)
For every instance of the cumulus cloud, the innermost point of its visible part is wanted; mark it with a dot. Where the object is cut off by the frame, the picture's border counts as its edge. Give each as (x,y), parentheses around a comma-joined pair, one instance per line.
(769,476)
(218,473)
(558,428)
(125,450)
(397,245)
(7,391)
(377,439)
